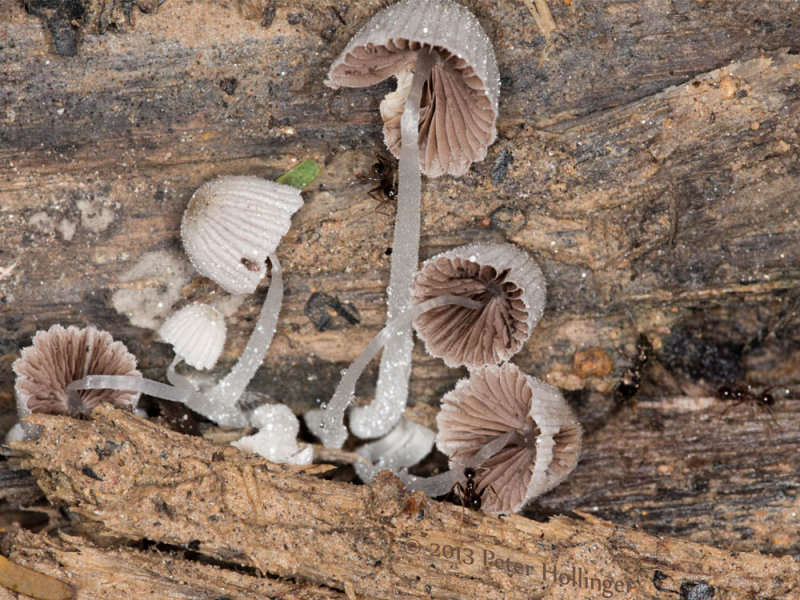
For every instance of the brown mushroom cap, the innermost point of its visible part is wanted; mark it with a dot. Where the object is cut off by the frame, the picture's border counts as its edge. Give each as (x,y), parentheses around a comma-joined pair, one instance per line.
(506,278)
(459,102)
(60,356)
(490,403)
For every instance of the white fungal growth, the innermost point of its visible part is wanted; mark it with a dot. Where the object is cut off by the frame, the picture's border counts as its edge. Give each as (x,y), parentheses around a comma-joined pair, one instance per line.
(391,391)
(404,446)
(221,403)
(276,439)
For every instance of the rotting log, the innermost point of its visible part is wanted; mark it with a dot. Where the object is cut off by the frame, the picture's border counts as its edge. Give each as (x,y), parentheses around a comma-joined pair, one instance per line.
(647,157)
(113,573)
(137,480)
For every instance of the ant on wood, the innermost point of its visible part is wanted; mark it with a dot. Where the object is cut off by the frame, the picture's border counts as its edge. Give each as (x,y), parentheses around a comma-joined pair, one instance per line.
(468,495)
(384,173)
(628,385)
(736,394)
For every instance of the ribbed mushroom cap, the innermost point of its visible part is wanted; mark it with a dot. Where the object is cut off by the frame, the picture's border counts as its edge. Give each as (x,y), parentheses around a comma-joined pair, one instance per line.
(197,333)
(500,274)
(232,224)
(493,401)
(60,356)
(459,102)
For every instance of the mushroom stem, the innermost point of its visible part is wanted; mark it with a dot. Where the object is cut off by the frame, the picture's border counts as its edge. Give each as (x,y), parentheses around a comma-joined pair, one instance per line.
(178,380)
(328,423)
(439,485)
(131,384)
(391,392)
(221,403)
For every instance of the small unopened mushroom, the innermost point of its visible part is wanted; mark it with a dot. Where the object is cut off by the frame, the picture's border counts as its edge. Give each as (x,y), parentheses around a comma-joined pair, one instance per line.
(60,356)
(404,446)
(543,447)
(276,439)
(197,334)
(508,283)
(445,105)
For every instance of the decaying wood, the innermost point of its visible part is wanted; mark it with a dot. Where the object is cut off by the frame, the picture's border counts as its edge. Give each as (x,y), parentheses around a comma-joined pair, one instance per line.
(647,157)
(97,573)
(375,541)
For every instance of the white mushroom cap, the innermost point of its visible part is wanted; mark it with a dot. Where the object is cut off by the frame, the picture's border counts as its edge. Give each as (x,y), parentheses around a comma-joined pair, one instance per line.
(506,278)
(459,104)
(494,401)
(60,356)
(232,224)
(197,333)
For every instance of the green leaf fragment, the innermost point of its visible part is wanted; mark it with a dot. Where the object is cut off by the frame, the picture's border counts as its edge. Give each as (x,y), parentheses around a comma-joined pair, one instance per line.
(301,175)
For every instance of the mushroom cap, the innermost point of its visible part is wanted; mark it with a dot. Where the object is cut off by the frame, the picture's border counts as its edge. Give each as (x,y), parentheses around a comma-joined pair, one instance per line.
(459,102)
(493,401)
(510,282)
(232,224)
(60,356)
(197,333)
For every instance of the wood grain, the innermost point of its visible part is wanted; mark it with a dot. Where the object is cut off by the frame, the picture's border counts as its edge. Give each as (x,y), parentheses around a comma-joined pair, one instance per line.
(372,541)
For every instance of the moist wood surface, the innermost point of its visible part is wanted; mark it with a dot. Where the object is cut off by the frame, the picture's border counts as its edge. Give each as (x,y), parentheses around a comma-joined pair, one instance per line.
(647,157)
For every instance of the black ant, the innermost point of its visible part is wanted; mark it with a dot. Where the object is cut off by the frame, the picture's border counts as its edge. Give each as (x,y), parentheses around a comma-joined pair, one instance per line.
(628,385)
(738,394)
(384,173)
(468,496)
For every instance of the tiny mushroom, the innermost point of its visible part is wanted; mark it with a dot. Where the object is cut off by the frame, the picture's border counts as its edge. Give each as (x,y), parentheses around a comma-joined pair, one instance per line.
(231,226)
(439,120)
(60,356)
(196,333)
(543,447)
(508,283)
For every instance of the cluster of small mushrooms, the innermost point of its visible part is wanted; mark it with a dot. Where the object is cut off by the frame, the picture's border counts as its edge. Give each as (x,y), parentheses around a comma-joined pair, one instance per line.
(473,306)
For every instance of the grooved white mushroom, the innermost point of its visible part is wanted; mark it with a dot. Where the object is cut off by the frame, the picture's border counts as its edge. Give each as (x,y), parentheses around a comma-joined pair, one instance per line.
(196,333)
(448,109)
(504,278)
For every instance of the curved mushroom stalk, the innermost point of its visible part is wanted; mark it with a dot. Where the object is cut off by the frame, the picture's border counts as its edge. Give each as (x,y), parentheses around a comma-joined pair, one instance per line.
(395,369)
(327,423)
(404,446)
(222,406)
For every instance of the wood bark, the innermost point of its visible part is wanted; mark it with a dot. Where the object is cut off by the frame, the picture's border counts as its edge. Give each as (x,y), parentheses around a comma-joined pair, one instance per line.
(647,157)
(138,481)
